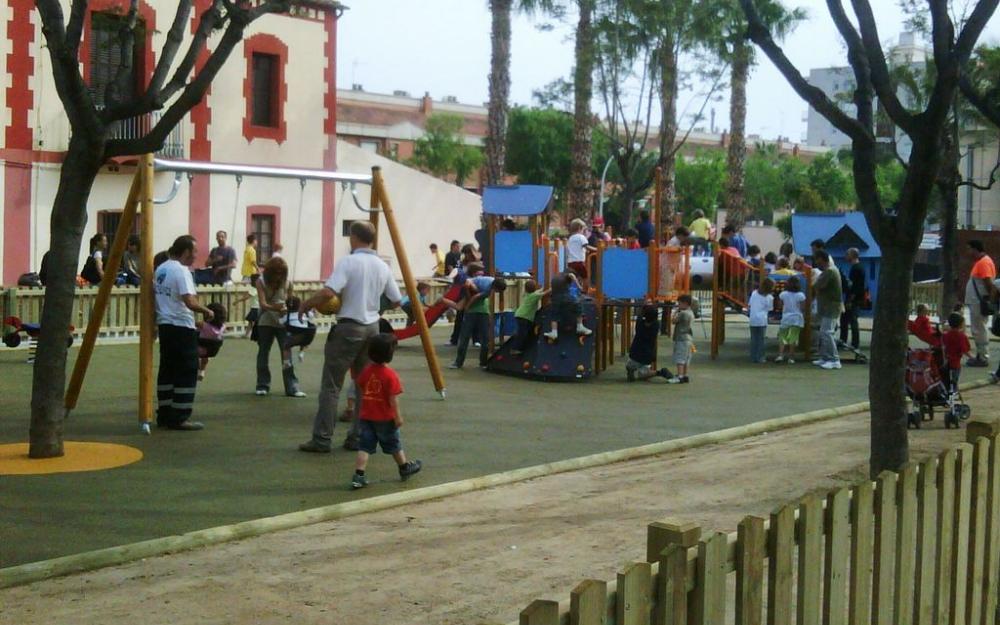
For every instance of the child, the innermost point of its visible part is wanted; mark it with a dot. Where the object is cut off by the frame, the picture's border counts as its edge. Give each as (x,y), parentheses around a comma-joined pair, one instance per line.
(761,303)
(253,314)
(477,317)
(683,339)
(567,306)
(423,288)
(956,346)
(380,416)
(299,332)
(922,328)
(525,316)
(576,251)
(753,256)
(770,262)
(792,319)
(783,268)
(642,352)
(210,337)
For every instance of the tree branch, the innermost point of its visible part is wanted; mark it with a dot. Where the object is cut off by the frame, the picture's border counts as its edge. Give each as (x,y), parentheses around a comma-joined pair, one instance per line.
(759,34)
(986,187)
(973,29)
(175,37)
(69,83)
(74,31)
(209,21)
(116,93)
(942,30)
(984,106)
(881,80)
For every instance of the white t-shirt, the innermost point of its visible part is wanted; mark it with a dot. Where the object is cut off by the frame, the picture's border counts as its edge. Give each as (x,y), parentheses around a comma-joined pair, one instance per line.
(361,279)
(576,248)
(791,308)
(760,305)
(171,282)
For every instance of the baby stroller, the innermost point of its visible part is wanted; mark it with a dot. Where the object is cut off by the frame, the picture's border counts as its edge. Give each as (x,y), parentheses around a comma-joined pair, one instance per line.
(927,387)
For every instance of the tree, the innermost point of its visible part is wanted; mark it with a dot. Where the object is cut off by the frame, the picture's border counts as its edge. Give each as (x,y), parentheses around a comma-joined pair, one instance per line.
(898,229)
(830,181)
(499,79)
(539,147)
(699,182)
(580,198)
(91,145)
(442,150)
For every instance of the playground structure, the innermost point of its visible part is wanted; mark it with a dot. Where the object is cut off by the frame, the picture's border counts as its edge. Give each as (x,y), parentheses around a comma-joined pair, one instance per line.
(622,280)
(140,200)
(734,280)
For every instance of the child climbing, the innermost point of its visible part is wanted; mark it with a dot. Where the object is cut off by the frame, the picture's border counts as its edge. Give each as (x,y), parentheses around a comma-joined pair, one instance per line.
(525,316)
(792,319)
(210,337)
(761,304)
(477,317)
(566,304)
(683,339)
(642,353)
(577,247)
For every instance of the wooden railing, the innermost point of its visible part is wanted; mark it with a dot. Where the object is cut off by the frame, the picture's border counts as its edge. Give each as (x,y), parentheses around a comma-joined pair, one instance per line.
(928,293)
(919,547)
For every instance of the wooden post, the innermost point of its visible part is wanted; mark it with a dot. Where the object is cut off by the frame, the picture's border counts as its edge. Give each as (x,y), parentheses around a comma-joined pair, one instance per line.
(147,310)
(671,607)
(945,534)
(860,601)
(710,588)
(540,612)
(960,546)
(664,534)
(751,550)
(926,542)
(977,536)
(635,594)
(906,545)
(883,579)
(990,581)
(780,554)
(838,548)
(810,595)
(112,262)
(378,188)
(588,603)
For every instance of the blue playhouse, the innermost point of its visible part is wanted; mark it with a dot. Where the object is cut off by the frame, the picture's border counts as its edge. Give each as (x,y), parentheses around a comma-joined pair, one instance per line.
(839,233)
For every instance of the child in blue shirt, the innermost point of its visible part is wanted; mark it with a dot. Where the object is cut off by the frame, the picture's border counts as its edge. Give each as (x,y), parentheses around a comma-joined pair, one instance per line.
(477,317)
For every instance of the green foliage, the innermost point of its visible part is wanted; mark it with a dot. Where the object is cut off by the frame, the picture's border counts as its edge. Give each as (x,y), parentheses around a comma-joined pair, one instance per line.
(699,182)
(828,178)
(442,151)
(784,224)
(889,176)
(810,201)
(539,144)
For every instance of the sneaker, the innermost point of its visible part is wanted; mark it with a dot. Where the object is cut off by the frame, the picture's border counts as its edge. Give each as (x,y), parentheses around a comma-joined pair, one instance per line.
(583,330)
(410,468)
(260,392)
(685,380)
(779,359)
(552,335)
(359,481)
(454,365)
(477,344)
(665,373)
(675,381)
(994,378)
(351,443)
(978,361)
(302,356)
(831,364)
(819,362)
(791,361)
(314,447)
(297,394)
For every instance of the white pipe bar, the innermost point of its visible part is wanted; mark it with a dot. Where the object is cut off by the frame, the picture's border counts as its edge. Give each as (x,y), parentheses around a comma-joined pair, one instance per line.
(197,167)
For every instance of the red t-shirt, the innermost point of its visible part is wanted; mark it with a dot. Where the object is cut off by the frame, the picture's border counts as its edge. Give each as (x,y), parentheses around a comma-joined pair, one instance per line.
(922,329)
(956,345)
(378,384)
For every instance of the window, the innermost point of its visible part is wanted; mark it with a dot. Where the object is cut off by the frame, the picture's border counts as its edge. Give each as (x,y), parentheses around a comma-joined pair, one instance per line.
(263,227)
(107,223)
(370,146)
(106,60)
(264,108)
(265,88)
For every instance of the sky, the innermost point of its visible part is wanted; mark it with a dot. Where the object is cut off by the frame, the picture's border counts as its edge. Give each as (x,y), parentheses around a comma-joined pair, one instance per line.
(443,47)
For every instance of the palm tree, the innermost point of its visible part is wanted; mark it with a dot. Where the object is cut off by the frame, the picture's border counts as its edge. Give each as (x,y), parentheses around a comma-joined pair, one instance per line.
(581,182)
(496,136)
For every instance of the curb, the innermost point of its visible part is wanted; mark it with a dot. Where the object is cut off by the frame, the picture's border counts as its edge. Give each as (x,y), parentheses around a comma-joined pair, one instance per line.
(111,556)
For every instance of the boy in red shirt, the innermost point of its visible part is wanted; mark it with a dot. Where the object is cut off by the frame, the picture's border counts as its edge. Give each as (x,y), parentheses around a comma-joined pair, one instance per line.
(380,416)
(956,345)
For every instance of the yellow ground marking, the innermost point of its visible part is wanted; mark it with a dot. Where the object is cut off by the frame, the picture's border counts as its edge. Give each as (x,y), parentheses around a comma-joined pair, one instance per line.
(14,458)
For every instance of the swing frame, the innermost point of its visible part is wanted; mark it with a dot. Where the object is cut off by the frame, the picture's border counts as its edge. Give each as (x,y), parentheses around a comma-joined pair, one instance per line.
(140,200)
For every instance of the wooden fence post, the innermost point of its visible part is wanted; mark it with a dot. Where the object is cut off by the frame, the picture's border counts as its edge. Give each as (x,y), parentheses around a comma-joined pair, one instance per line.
(977,531)
(838,525)
(810,541)
(926,542)
(634,595)
(710,587)
(780,552)
(540,612)
(862,537)
(751,549)
(588,603)
(671,607)
(992,578)
(885,547)
(960,545)
(946,532)
(663,534)
(906,544)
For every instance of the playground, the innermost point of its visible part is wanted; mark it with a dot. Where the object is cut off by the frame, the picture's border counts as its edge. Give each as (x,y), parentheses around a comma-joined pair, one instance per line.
(244,465)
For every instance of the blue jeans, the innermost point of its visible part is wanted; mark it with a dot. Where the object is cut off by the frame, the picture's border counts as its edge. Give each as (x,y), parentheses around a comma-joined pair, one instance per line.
(827,345)
(475,324)
(757,336)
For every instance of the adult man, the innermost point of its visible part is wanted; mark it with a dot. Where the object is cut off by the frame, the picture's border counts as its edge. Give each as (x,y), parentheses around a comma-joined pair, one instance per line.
(829,305)
(645,229)
(854,299)
(176,303)
(978,296)
(736,240)
(453,258)
(222,259)
(250,271)
(438,261)
(360,280)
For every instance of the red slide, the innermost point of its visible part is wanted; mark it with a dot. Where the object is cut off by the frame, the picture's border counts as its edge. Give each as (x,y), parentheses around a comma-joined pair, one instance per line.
(431,314)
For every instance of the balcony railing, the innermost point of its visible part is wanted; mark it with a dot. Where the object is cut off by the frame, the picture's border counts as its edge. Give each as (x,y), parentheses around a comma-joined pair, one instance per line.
(136,127)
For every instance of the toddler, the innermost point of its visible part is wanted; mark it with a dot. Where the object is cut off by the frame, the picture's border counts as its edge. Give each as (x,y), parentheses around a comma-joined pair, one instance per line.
(423,288)
(761,303)
(956,346)
(525,316)
(210,337)
(577,247)
(922,328)
(566,304)
(683,339)
(792,319)
(299,331)
(642,353)
(380,415)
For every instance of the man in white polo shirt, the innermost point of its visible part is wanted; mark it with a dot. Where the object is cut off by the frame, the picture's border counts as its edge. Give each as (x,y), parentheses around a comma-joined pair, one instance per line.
(176,303)
(360,280)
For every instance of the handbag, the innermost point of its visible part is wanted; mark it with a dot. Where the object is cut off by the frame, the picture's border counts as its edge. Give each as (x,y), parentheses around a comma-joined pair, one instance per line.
(985,305)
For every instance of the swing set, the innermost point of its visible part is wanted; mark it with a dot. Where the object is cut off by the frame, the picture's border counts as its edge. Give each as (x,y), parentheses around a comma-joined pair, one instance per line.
(140,201)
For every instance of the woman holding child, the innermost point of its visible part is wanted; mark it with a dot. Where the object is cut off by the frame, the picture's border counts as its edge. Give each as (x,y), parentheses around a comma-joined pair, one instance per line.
(273,290)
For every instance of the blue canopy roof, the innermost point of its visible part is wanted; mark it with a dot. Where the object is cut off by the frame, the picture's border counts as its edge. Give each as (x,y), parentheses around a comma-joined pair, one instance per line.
(839,232)
(518,200)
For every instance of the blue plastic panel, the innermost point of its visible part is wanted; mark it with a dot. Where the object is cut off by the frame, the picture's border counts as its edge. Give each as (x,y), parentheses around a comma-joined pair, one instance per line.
(625,273)
(512,251)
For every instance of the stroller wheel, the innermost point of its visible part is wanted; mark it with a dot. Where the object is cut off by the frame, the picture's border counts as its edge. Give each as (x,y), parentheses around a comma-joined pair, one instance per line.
(963,411)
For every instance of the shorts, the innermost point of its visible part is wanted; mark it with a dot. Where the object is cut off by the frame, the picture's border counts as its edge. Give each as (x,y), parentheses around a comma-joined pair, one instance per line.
(579,268)
(682,352)
(252,316)
(208,348)
(382,433)
(789,335)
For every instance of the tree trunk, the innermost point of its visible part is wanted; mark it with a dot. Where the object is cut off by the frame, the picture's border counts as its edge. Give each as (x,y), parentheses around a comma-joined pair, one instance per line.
(948,185)
(581,180)
(496,138)
(668,126)
(736,157)
(889,445)
(69,218)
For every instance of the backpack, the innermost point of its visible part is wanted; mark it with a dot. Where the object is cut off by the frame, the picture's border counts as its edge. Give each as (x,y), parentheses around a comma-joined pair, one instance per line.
(89,271)
(29,279)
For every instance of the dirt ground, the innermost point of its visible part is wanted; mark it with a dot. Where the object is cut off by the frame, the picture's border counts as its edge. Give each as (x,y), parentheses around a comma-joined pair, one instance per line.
(473,558)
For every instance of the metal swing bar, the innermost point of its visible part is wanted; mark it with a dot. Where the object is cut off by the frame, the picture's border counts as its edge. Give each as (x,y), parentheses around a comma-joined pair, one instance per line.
(201,167)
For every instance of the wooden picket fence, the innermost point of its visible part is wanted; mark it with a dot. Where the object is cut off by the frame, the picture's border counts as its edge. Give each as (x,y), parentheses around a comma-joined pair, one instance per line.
(920,547)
